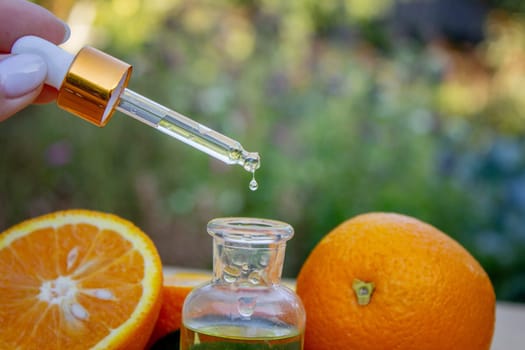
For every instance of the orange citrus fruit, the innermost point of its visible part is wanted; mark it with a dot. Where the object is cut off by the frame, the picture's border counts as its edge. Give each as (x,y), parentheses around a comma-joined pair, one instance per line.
(174,290)
(77,279)
(388,281)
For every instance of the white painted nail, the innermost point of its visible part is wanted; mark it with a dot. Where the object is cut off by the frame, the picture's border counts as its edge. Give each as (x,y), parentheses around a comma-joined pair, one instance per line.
(21,74)
(67,32)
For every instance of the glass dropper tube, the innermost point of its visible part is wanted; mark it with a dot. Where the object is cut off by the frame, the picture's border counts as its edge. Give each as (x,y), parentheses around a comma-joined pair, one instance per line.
(187,130)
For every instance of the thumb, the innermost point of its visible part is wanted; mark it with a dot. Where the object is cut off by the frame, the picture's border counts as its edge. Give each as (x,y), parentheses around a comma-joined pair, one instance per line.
(21,81)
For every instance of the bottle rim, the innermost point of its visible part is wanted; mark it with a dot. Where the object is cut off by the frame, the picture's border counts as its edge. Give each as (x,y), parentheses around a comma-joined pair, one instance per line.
(250,230)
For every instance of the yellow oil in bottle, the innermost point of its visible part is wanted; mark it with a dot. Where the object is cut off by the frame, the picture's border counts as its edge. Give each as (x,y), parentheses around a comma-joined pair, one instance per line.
(230,338)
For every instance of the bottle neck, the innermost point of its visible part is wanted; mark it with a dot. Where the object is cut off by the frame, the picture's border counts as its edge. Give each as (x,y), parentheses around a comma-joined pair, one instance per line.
(247,265)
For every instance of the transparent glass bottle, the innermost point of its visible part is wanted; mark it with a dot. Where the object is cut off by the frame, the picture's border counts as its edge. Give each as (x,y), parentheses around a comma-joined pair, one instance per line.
(245,306)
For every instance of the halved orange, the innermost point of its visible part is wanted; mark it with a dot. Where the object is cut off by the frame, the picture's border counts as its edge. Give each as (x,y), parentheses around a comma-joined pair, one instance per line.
(177,286)
(77,279)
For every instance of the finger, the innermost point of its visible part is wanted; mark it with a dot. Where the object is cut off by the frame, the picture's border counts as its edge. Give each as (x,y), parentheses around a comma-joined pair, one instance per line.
(20,18)
(21,82)
(11,106)
(21,74)
(48,94)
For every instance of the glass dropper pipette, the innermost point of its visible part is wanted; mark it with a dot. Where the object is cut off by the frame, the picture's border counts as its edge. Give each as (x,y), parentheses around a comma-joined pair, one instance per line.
(187,130)
(92,85)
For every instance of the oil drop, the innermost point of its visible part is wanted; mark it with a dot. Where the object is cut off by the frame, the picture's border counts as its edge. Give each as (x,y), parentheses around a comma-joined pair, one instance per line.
(253,183)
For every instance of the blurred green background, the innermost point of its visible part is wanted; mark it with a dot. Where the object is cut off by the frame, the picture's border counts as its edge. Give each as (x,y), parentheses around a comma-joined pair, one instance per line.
(415,107)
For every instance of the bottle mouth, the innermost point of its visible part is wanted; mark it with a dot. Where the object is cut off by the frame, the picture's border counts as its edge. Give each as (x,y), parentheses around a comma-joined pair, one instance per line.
(250,230)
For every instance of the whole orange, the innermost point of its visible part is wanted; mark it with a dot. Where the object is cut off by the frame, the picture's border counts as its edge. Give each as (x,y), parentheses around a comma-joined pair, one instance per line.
(388,281)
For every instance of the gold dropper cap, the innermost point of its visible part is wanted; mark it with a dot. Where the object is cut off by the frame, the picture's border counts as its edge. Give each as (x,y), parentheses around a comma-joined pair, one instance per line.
(93,84)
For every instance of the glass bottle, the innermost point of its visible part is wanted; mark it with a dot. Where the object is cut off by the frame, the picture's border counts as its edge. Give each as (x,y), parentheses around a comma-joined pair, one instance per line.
(244,306)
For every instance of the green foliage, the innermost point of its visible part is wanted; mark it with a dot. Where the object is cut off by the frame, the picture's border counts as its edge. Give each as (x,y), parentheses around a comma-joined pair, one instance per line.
(342,129)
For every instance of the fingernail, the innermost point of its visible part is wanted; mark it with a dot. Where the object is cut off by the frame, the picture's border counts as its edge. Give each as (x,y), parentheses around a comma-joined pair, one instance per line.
(67,32)
(21,74)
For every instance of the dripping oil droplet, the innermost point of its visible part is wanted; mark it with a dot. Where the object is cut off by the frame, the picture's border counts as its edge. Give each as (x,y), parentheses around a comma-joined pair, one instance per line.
(253,183)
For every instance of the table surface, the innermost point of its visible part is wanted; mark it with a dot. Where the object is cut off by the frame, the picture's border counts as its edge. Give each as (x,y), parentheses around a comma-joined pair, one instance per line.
(509,333)
(510,327)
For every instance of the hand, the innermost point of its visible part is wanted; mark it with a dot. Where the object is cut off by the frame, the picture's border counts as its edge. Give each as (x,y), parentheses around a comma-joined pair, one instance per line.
(22,76)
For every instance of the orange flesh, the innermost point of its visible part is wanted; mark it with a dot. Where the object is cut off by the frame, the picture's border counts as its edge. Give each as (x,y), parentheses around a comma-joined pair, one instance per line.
(70,293)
